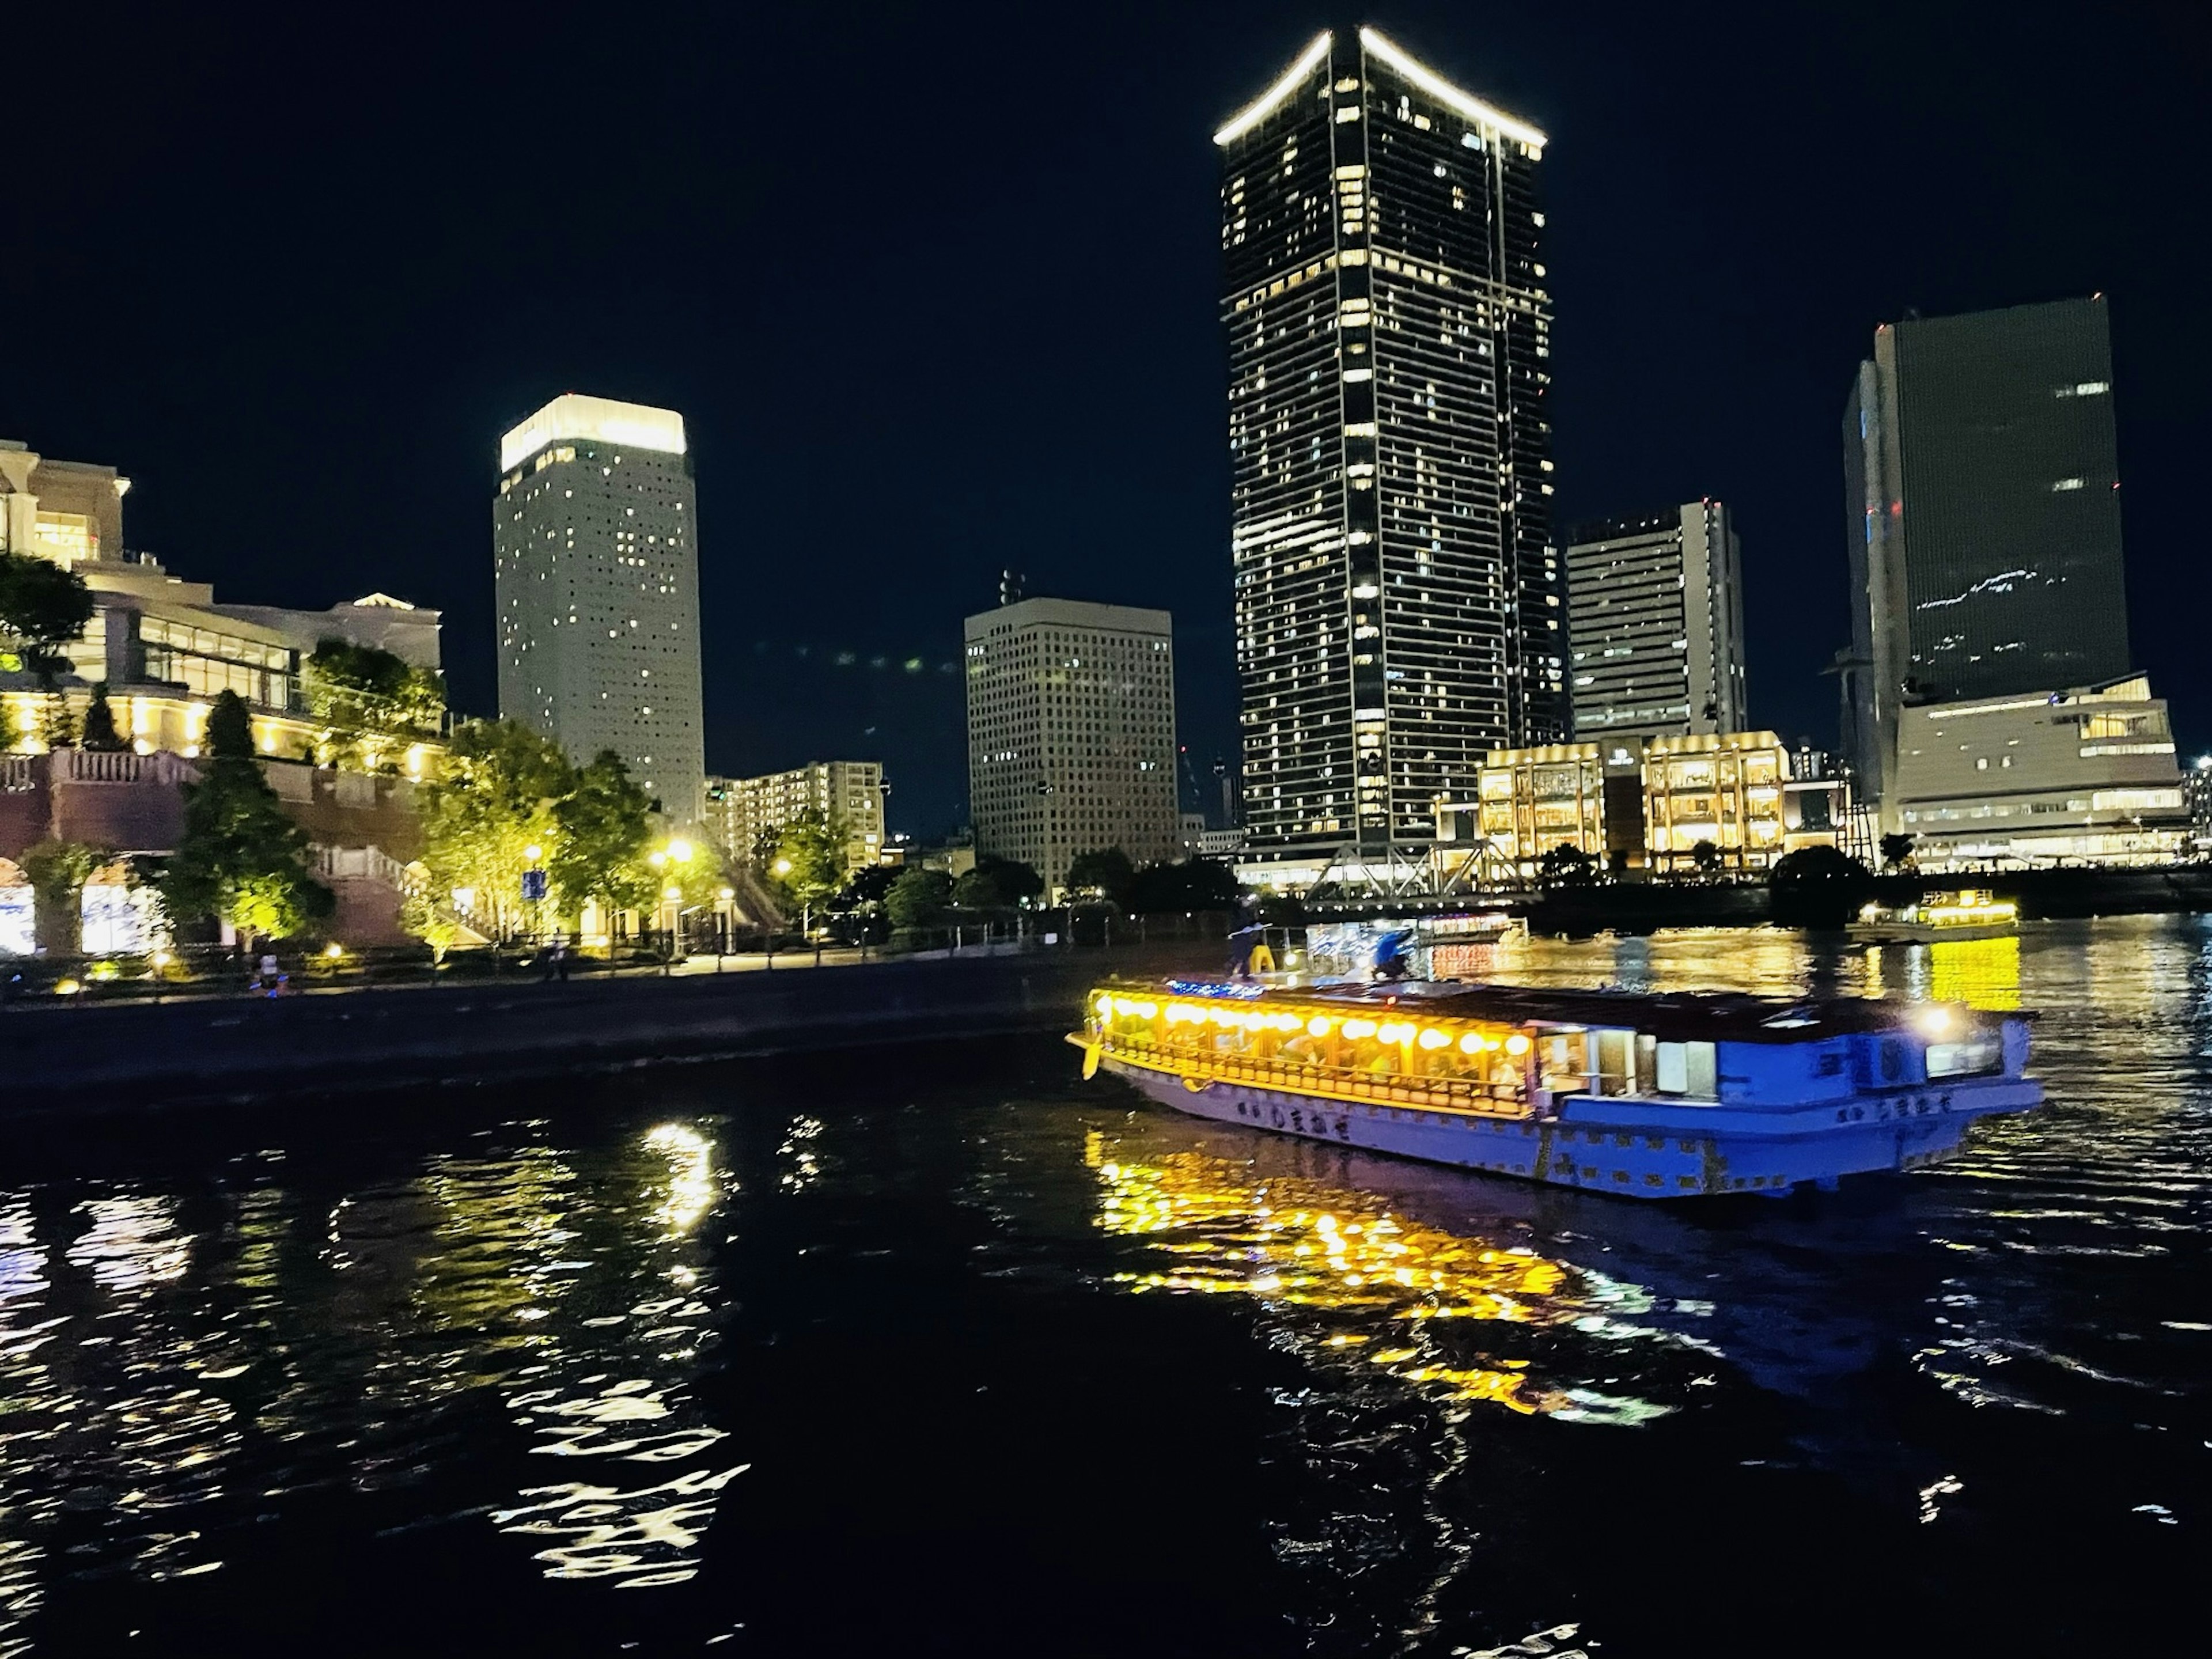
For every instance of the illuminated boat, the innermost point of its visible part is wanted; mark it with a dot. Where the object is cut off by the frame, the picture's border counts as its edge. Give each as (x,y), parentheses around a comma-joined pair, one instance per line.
(1940,917)
(1648,1097)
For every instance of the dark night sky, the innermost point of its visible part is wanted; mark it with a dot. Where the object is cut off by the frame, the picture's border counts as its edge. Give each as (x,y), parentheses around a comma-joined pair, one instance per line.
(935,289)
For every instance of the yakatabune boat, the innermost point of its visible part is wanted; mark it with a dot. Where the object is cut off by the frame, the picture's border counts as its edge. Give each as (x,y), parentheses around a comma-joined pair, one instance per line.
(1651,1096)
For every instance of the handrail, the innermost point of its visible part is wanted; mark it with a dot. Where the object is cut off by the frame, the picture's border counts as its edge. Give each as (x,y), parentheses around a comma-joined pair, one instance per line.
(1332,1083)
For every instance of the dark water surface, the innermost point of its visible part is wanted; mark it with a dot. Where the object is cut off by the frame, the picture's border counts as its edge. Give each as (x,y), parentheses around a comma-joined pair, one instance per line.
(945,1352)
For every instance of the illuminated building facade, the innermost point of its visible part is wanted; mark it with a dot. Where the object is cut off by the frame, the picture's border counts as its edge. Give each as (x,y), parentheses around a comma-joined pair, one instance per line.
(2084,777)
(1982,488)
(1070,733)
(1632,805)
(847,795)
(165,646)
(1654,609)
(596,577)
(1399,602)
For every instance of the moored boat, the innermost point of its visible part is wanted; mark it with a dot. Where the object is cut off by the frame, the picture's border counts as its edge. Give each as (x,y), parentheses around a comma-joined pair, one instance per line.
(1973,913)
(1649,1097)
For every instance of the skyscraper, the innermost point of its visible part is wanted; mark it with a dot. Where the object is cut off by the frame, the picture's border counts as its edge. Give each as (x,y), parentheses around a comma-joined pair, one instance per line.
(1656,624)
(1070,733)
(1983,516)
(596,574)
(1398,599)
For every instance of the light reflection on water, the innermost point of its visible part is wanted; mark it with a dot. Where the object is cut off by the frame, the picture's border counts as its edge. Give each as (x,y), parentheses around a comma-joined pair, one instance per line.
(518,1337)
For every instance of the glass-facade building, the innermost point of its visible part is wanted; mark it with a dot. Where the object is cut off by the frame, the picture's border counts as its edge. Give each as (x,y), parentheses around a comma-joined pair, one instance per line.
(1983,515)
(1399,601)
(1655,606)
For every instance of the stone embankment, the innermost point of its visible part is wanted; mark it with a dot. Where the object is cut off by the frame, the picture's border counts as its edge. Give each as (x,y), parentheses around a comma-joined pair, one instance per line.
(79,1059)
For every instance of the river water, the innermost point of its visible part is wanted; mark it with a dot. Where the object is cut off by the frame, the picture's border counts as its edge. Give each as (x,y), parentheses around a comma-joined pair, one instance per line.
(945,1351)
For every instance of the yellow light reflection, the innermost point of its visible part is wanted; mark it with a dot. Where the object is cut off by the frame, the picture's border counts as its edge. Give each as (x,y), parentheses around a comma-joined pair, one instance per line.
(1398,1282)
(1981,972)
(690,1158)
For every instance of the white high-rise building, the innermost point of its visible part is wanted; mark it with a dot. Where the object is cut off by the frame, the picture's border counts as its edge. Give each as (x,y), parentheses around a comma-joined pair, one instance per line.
(1070,733)
(596,567)
(847,794)
(1654,609)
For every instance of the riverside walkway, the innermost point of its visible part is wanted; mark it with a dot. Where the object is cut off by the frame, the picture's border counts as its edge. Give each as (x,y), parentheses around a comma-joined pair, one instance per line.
(75,1060)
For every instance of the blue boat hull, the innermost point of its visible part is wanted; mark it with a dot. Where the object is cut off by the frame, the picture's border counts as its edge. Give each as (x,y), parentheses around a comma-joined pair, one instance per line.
(1633,1148)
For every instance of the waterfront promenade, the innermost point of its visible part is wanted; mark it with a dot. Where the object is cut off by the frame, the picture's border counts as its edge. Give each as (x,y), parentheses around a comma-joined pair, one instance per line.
(77,1059)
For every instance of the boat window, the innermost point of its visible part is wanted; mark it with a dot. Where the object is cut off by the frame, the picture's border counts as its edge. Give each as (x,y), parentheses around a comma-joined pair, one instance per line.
(1704,1072)
(1964,1058)
(1893,1059)
(1615,1075)
(1647,1062)
(1566,1057)
(1684,1068)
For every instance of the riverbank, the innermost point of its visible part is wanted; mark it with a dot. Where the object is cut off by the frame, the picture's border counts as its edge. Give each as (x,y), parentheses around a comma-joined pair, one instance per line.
(77,1060)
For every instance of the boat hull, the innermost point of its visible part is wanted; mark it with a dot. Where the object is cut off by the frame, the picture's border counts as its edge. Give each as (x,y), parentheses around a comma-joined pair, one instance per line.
(1882,933)
(1630,1148)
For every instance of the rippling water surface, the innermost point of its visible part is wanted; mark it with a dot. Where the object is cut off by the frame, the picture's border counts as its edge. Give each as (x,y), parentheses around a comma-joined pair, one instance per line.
(945,1352)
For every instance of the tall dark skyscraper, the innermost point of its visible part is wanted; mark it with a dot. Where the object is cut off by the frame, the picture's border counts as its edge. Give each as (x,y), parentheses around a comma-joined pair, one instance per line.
(1399,601)
(1983,510)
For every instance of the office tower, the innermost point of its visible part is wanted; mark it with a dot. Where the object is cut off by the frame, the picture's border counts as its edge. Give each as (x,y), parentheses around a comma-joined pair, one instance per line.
(1070,733)
(596,570)
(1398,599)
(848,795)
(1654,609)
(1983,516)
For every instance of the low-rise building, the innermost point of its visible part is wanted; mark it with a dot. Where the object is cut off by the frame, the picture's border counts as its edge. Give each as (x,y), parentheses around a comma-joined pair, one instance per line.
(1633,805)
(162,644)
(2080,776)
(848,794)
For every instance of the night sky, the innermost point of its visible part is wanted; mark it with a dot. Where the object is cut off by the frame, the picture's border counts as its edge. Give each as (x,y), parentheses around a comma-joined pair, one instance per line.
(935,289)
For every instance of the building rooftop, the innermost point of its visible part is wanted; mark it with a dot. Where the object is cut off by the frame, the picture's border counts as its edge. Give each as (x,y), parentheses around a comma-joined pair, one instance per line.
(597,419)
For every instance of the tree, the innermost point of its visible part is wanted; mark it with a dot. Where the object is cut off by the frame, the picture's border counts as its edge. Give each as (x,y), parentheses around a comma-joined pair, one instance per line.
(57,871)
(1817,887)
(42,608)
(1103,873)
(491,802)
(1015,882)
(1566,865)
(977,889)
(99,731)
(1707,856)
(918,899)
(240,858)
(601,827)
(369,700)
(805,861)
(1896,852)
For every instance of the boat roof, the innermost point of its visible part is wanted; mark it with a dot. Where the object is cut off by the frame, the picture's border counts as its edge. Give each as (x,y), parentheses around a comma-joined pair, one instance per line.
(1671,1017)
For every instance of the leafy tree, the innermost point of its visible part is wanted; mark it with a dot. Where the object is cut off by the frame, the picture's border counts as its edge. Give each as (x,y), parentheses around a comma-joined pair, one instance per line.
(1104,873)
(367,700)
(240,858)
(1707,856)
(805,861)
(491,802)
(1817,887)
(602,826)
(1193,884)
(99,731)
(1896,852)
(42,608)
(977,889)
(869,886)
(57,871)
(918,899)
(1015,882)
(1566,865)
